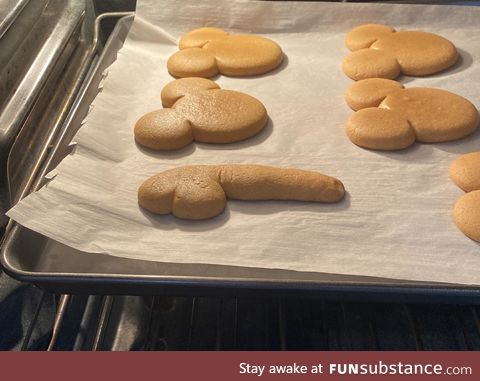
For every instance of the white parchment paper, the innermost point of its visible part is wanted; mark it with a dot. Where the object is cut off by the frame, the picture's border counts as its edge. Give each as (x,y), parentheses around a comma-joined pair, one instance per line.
(396,220)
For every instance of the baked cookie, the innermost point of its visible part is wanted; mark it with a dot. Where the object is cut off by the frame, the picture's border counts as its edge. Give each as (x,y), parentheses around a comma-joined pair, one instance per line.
(431,115)
(380,129)
(370,92)
(465,171)
(466,214)
(364,36)
(200,111)
(175,90)
(408,52)
(370,63)
(205,52)
(200,191)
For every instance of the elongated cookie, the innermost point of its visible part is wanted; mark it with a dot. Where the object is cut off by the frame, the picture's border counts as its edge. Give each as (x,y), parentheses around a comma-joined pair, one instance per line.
(200,111)
(378,51)
(404,115)
(205,52)
(200,191)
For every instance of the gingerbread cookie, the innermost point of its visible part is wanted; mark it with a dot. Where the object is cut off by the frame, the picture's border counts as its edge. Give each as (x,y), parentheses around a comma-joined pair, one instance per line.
(465,171)
(200,111)
(432,115)
(205,52)
(466,214)
(200,191)
(378,51)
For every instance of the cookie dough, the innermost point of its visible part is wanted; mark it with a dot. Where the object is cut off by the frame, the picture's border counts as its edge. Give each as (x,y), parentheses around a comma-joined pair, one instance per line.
(202,112)
(466,214)
(416,53)
(205,52)
(200,191)
(370,92)
(380,129)
(433,115)
(465,171)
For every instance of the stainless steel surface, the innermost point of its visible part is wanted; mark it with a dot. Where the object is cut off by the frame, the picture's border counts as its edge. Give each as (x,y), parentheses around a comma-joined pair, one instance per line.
(68,98)
(71,100)
(61,310)
(35,51)
(9,10)
(30,256)
(102,322)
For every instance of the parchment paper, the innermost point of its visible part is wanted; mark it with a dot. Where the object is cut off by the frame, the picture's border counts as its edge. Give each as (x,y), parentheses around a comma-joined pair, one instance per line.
(396,220)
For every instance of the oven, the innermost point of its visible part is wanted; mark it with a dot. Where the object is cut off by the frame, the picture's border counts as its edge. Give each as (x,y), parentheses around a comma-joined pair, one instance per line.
(52,56)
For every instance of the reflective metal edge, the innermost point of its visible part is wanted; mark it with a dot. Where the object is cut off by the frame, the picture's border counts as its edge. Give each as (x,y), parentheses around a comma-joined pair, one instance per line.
(9,10)
(212,282)
(21,101)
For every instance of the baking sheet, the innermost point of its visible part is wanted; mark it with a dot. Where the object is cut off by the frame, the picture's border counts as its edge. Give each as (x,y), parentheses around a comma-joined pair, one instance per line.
(395,221)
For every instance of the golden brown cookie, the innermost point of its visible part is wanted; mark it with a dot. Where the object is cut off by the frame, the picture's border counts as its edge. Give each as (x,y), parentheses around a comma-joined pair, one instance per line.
(465,171)
(418,53)
(197,38)
(370,92)
(195,62)
(380,129)
(175,90)
(206,52)
(369,63)
(435,115)
(411,52)
(163,130)
(364,36)
(200,112)
(466,214)
(200,191)
(222,116)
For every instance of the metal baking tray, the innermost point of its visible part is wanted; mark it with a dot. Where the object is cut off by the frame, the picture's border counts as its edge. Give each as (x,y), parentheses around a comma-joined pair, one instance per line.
(31,257)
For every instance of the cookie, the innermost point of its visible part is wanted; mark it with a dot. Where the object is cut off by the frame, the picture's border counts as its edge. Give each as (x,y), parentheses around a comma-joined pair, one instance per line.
(380,129)
(465,171)
(369,63)
(433,115)
(222,116)
(163,130)
(197,38)
(466,214)
(200,191)
(436,115)
(200,111)
(370,92)
(364,36)
(175,90)
(416,53)
(205,52)
(194,62)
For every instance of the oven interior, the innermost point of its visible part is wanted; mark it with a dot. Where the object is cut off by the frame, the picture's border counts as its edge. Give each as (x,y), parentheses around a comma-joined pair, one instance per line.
(34,319)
